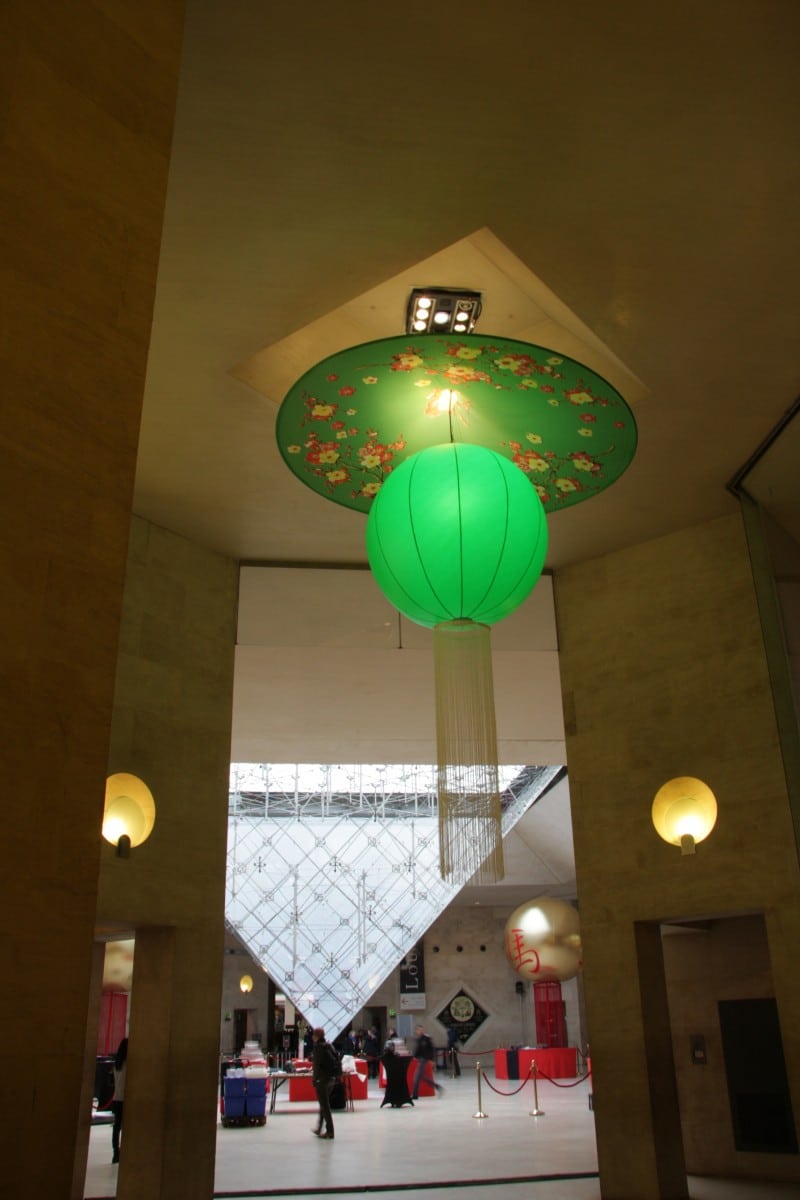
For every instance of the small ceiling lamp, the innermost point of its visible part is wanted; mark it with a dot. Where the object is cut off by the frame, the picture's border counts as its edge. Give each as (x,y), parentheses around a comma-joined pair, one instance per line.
(129,813)
(456,540)
(442,310)
(684,812)
(246,984)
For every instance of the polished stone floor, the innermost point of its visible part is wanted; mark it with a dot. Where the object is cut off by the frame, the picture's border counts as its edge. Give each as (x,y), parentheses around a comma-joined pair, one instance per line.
(439,1149)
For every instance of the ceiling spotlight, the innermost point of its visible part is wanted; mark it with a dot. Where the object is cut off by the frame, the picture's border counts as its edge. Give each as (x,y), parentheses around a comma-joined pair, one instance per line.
(444,310)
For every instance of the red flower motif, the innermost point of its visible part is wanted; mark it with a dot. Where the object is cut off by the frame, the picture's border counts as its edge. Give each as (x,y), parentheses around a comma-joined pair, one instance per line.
(337,424)
(546,387)
(347,391)
(589,417)
(331,378)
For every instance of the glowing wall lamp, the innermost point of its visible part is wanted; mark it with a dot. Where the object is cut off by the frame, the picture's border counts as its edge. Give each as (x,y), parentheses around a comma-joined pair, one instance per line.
(246,984)
(684,812)
(129,813)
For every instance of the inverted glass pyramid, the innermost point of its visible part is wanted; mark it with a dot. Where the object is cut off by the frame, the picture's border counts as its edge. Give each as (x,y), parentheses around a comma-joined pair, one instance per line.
(333,873)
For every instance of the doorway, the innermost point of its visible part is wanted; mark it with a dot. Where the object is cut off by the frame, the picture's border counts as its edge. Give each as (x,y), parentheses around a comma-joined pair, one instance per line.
(758,1089)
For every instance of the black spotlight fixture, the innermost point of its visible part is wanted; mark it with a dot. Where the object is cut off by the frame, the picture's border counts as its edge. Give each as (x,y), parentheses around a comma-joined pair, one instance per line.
(442,310)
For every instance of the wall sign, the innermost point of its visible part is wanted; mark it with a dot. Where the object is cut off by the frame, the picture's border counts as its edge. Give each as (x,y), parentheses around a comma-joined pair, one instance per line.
(412,977)
(463,1014)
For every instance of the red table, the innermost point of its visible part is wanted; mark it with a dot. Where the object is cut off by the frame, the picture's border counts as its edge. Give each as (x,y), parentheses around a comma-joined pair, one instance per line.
(558,1062)
(302,1089)
(358,1087)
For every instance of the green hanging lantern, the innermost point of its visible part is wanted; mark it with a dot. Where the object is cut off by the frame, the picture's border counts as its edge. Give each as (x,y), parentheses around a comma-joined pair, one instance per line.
(456,539)
(456,532)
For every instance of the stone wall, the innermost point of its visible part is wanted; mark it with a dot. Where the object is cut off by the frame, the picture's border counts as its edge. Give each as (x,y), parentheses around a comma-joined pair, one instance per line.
(664,674)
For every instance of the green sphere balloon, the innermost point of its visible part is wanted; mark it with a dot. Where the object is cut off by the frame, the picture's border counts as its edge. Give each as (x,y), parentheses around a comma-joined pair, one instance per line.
(456,532)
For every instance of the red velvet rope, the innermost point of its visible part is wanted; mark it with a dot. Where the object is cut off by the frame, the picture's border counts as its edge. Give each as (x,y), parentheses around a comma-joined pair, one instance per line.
(575,1082)
(497,1090)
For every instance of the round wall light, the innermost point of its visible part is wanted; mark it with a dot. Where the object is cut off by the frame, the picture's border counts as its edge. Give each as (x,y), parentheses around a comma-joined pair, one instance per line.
(129,813)
(684,812)
(246,984)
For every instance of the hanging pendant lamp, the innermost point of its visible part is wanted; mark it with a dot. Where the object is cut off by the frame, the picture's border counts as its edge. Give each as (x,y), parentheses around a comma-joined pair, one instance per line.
(456,540)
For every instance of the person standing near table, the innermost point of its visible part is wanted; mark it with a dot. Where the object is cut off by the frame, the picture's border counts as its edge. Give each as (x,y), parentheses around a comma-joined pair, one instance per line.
(325,1069)
(372,1050)
(424,1053)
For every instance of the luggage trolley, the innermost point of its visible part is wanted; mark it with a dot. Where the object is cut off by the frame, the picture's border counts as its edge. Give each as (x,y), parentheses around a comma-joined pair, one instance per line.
(242,1095)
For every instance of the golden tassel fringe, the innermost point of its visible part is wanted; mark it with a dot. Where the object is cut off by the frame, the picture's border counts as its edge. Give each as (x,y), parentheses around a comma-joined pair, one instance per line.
(470,819)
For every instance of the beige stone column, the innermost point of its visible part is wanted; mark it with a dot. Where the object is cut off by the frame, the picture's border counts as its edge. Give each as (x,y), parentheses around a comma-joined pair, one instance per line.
(89,1059)
(664,673)
(171,726)
(87,95)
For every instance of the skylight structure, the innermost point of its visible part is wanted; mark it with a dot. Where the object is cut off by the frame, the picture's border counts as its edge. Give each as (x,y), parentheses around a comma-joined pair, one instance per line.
(333,873)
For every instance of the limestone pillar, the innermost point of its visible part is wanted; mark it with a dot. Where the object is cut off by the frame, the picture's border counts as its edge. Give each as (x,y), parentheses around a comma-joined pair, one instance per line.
(87,95)
(171,726)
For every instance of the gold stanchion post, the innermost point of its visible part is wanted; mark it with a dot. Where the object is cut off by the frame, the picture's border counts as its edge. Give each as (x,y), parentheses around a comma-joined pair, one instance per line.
(535,1111)
(480,1114)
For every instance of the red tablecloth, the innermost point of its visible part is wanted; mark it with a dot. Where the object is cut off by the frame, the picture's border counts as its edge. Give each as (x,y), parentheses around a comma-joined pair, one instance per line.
(301,1087)
(359,1087)
(559,1062)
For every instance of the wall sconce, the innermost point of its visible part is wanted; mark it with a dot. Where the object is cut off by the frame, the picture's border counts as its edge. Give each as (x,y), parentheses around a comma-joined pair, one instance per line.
(684,812)
(246,984)
(129,813)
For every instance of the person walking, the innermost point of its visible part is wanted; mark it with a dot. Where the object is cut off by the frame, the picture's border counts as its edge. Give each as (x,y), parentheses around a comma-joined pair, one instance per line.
(118,1102)
(453,1042)
(424,1053)
(325,1070)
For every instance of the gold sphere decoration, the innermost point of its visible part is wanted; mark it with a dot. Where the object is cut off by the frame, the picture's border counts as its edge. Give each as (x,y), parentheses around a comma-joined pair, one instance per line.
(543,941)
(684,812)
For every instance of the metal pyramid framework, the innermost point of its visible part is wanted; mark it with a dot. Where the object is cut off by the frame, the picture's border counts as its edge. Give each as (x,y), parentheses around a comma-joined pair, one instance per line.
(333,873)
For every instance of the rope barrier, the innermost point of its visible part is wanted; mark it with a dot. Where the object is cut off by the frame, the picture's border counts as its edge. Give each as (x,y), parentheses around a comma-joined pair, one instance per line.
(497,1090)
(574,1083)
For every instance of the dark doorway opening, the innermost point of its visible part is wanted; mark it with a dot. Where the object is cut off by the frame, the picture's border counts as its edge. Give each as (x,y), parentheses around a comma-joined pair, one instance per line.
(758,1089)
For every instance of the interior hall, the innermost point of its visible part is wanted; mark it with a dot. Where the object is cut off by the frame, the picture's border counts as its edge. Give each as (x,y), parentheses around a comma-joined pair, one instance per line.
(215,221)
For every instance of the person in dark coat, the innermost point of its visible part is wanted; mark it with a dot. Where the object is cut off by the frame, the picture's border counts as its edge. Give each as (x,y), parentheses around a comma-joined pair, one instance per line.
(396,1068)
(118,1103)
(372,1051)
(453,1042)
(323,1075)
(424,1053)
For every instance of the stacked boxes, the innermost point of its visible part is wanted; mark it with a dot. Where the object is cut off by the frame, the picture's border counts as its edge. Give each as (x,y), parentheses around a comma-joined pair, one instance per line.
(255,1096)
(234,1093)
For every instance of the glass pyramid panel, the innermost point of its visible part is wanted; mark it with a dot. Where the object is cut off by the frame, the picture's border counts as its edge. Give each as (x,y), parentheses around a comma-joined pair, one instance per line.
(333,873)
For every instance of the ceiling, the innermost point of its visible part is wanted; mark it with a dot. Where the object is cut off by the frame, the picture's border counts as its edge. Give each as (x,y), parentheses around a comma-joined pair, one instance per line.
(624,175)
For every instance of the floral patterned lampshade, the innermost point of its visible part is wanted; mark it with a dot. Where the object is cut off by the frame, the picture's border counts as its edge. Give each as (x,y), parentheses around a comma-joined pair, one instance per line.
(355,416)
